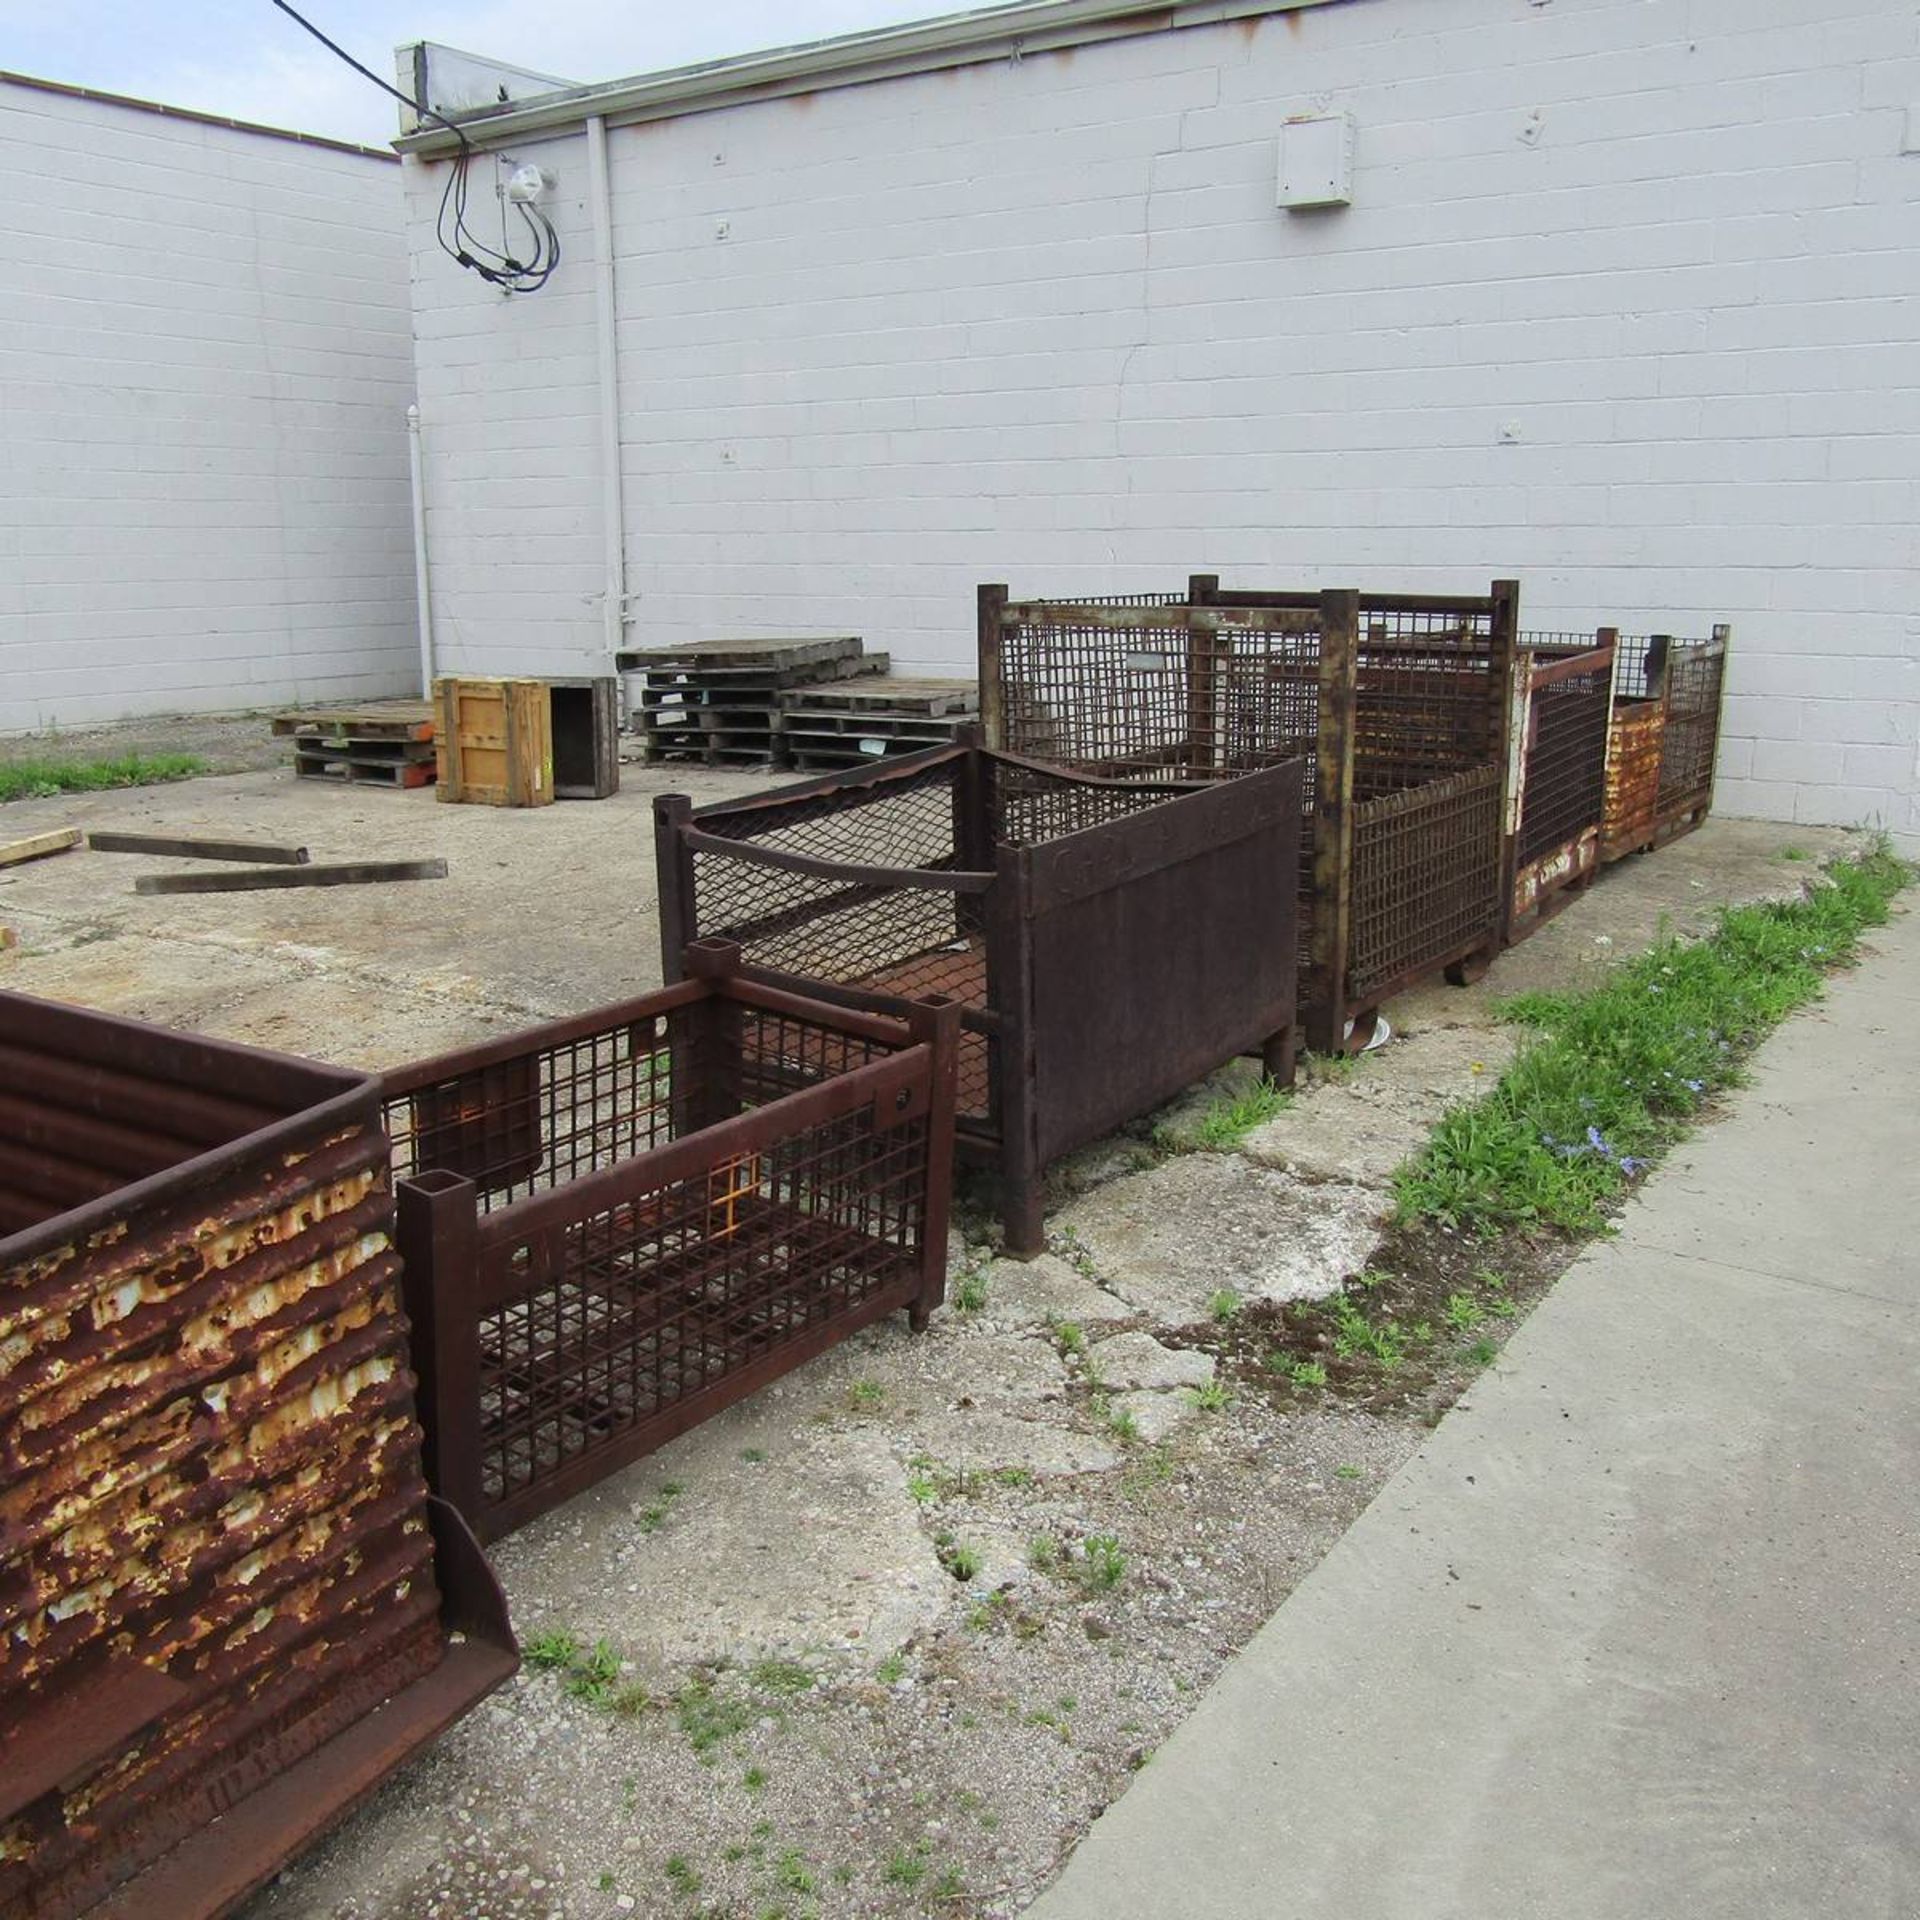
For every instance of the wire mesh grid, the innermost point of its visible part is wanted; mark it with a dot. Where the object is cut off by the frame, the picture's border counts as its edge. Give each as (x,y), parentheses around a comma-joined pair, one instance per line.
(900,936)
(1106,686)
(1564,769)
(1695,671)
(1424,703)
(559,1110)
(827,928)
(625,1313)
(539,1118)
(1031,806)
(1426,878)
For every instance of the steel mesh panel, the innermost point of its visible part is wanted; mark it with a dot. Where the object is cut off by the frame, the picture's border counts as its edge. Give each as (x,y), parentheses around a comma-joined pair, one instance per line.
(1426,878)
(1564,779)
(1031,806)
(546,1117)
(1695,670)
(901,937)
(1110,695)
(627,1312)
(824,928)
(1424,697)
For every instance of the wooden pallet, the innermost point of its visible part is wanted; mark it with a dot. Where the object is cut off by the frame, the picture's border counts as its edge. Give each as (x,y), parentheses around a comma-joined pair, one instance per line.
(888,696)
(353,762)
(378,720)
(832,658)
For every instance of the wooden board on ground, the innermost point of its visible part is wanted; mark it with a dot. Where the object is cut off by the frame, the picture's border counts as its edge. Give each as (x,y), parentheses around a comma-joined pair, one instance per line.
(36,846)
(374,720)
(359,873)
(191,847)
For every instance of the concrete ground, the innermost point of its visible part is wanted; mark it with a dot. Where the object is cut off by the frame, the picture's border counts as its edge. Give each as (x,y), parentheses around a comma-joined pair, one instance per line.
(942,1731)
(1634,1634)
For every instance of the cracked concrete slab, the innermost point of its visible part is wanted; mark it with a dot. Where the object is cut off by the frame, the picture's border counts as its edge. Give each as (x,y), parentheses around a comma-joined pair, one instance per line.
(1155,1416)
(1139,1360)
(1169,1239)
(1027,1293)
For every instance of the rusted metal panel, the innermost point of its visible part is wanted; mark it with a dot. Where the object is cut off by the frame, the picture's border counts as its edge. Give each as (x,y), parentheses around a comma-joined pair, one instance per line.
(730,1178)
(215,1552)
(1632,816)
(1128,936)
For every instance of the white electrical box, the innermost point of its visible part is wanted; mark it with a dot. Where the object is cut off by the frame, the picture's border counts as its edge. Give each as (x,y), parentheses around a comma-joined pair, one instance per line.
(1316,161)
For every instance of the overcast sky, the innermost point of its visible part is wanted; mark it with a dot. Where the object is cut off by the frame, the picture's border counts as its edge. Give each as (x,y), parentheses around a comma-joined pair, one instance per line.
(247,59)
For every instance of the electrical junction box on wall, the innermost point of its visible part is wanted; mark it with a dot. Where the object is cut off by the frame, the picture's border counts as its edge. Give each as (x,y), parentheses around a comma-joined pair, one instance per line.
(1316,161)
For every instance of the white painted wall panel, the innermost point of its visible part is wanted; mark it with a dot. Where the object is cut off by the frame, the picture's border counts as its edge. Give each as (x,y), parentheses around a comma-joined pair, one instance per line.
(1627,304)
(205,366)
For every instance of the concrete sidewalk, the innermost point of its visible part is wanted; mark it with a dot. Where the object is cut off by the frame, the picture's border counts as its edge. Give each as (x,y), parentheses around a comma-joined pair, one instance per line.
(1638,1632)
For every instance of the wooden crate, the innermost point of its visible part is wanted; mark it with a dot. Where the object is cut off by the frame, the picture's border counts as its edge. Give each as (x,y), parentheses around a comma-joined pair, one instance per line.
(494,742)
(585,717)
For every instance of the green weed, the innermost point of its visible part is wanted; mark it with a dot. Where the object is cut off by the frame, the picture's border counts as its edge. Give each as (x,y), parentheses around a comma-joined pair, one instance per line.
(1223,1306)
(1227,1122)
(680,1876)
(706,1719)
(1070,1337)
(1212,1398)
(780,1676)
(1609,1078)
(1101,1565)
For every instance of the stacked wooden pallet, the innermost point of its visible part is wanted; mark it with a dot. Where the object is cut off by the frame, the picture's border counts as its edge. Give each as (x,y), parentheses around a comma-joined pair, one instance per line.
(845,723)
(717,702)
(388,742)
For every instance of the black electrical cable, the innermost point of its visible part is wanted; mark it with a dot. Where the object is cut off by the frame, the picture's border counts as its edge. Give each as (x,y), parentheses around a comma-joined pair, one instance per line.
(463,245)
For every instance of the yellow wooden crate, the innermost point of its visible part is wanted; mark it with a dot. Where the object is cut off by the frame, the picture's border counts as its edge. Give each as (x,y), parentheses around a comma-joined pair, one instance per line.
(493,742)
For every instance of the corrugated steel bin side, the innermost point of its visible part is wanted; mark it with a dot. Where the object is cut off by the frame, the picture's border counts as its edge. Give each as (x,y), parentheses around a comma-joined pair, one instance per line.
(220,1596)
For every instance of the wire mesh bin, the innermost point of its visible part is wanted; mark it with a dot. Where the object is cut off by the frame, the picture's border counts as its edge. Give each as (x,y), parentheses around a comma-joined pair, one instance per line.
(1396,706)
(227,1605)
(1557,772)
(1663,737)
(616,1225)
(1112,941)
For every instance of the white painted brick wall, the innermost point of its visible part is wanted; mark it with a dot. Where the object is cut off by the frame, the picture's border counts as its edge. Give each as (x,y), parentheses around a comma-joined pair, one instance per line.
(205,367)
(1041,322)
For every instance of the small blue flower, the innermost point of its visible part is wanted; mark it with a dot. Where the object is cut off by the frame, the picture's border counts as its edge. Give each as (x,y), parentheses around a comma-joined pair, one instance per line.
(1630,1166)
(1695,1086)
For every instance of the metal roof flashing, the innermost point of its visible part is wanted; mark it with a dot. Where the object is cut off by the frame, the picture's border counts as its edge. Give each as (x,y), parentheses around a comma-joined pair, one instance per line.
(856,59)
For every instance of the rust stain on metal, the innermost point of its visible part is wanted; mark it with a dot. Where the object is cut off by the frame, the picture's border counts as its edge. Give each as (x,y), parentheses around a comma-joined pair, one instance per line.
(214,1547)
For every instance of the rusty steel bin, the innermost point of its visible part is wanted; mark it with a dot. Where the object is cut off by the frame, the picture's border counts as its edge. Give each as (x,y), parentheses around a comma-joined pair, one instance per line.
(1557,772)
(1395,704)
(1665,738)
(616,1225)
(223,1594)
(1112,941)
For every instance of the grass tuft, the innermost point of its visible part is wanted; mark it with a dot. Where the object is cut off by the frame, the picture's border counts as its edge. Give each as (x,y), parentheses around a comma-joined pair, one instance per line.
(41,779)
(1610,1078)
(1227,1122)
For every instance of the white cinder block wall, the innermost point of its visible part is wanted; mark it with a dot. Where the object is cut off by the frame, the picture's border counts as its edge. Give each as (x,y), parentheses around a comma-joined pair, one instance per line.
(205,366)
(1627,304)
